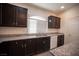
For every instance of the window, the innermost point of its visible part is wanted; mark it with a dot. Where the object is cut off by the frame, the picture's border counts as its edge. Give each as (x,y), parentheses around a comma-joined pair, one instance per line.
(32,26)
(37,25)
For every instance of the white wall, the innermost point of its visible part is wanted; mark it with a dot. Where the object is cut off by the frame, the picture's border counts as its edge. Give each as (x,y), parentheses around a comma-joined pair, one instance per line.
(32,11)
(70,24)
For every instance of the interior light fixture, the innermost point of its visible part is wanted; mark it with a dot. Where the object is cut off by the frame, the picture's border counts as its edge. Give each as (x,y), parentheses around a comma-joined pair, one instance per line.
(62,7)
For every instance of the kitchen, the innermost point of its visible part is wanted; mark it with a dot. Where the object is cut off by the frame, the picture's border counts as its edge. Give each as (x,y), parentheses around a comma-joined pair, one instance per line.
(34,30)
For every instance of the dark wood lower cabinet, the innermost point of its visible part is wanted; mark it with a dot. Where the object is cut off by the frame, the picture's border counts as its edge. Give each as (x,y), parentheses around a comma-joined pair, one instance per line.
(43,44)
(25,47)
(60,40)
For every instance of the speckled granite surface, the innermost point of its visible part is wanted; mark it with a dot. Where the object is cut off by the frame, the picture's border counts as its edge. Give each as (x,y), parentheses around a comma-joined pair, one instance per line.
(9,37)
(28,34)
(71,49)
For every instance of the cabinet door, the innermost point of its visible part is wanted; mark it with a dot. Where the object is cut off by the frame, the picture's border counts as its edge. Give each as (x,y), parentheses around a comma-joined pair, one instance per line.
(12,48)
(21,16)
(31,49)
(60,40)
(0,14)
(4,49)
(45,44)
(8,15)
(38,46)
(57,22)
(8,48)
(16,48)
(51,22)
(21,48)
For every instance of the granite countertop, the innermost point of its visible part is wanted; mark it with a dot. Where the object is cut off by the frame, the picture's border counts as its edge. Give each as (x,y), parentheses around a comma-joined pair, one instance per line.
(29,34)
(10,37)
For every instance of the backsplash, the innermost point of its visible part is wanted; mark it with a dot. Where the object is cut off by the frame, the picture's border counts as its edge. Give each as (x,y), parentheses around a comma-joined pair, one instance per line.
(53,30)
(13,30)
(19,30)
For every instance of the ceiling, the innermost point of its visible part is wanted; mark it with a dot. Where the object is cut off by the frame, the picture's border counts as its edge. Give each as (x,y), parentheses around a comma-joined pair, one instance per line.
(55,7)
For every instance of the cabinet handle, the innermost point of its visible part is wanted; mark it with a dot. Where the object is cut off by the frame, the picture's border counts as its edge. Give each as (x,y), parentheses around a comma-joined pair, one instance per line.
(25,45)
(43,42)
(30,41)
(16,43)
(16,23)
(22,46)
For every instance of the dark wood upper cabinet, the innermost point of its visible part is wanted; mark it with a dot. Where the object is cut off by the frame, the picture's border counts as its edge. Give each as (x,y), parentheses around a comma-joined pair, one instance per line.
(0,14)
(13,16)
(8,15)
(53,22)
(57,23)
(21,16)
